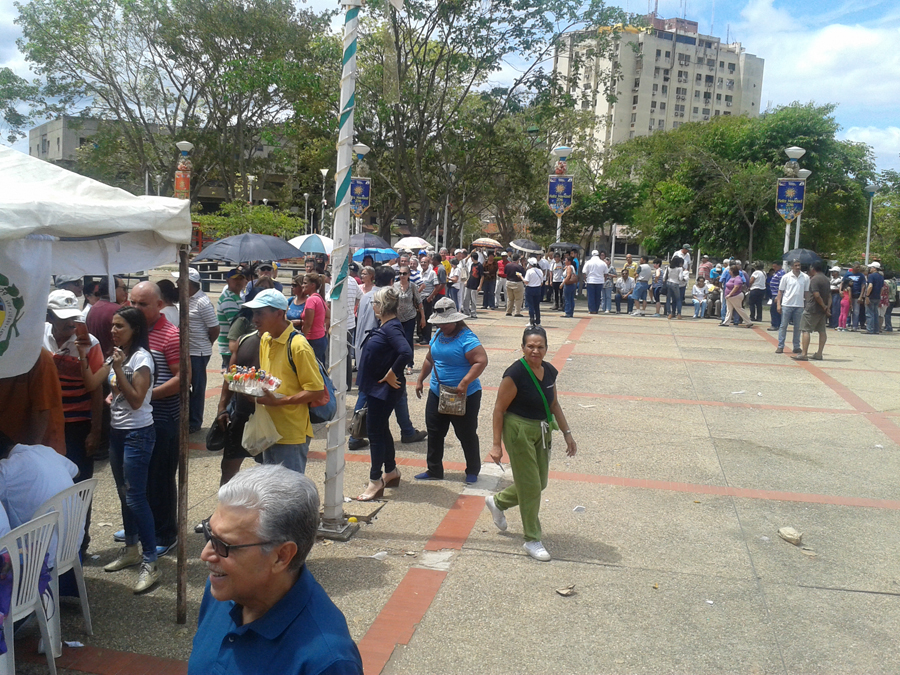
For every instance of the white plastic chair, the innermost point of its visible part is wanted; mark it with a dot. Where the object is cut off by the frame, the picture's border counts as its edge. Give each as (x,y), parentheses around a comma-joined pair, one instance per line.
(27,546)
(72,505)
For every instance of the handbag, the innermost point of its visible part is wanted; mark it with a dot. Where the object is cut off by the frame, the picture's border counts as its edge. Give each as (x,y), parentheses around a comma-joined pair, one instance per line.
(358,428)
(449,401)
(215,437)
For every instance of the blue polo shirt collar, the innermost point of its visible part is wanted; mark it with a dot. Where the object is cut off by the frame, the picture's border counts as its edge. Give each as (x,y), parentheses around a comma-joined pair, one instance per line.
(274,622)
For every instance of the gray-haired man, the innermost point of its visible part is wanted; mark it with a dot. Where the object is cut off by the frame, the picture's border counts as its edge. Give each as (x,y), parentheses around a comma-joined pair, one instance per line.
(262,611)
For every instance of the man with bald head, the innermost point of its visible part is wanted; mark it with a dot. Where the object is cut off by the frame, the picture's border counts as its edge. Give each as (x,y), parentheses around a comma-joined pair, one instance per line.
(162,491)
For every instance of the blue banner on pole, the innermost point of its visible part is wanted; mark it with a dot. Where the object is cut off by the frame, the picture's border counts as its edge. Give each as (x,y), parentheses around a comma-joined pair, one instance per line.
(789,199)
(360,190)
(559,193)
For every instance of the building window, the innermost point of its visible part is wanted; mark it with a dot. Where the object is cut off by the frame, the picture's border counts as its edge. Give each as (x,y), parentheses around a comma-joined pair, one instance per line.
(652,122)
(717,113)
(659,53)
(665,72)
(633,118)
(697,94)
(656,72)
(635,100)
(721,64)
(668,55)
(665,90)
(730,67)
(655,89)
(699,77)
(637,82)
(662,106)
(706,111)
(711,63)
(718,97)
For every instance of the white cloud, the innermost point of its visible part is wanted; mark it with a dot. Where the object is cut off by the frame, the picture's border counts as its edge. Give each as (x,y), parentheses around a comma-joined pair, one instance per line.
(886,143)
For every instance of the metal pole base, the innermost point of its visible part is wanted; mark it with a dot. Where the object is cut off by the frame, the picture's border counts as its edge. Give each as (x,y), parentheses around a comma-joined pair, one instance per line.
(337,531)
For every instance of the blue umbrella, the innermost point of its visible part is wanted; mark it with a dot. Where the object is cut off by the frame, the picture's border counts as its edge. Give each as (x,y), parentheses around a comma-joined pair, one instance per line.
(378,254)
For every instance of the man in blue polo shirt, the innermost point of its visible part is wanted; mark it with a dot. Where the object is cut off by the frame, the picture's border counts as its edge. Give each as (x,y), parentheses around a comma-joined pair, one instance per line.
(262,611)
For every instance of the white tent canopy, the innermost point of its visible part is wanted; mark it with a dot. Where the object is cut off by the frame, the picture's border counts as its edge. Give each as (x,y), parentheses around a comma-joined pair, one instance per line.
(53,221)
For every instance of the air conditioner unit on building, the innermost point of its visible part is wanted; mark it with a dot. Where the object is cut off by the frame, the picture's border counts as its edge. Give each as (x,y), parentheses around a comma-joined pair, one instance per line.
(706,117)
(728,104)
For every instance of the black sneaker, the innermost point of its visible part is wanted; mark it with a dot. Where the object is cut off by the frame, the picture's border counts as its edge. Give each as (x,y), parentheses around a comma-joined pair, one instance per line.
(357,443)
(414,438)
(798,351)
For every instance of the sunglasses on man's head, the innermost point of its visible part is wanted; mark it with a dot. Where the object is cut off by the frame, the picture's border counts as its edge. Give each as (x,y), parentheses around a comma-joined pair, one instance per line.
(220,547)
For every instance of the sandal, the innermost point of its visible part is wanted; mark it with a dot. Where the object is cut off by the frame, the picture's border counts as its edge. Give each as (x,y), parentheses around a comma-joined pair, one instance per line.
(378,494)
(393,481)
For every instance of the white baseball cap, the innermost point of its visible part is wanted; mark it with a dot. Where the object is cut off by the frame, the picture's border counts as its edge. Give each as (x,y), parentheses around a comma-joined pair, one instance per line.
(875,264)
(63,304)
(193,275)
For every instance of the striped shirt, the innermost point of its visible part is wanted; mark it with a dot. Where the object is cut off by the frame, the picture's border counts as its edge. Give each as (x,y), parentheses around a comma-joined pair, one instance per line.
(226,309)
(774,282)
(163,338)
(76,400)
(201,317)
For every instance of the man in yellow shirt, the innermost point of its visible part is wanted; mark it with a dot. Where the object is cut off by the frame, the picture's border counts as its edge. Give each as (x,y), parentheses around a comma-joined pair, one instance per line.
(300,384)
(630,266)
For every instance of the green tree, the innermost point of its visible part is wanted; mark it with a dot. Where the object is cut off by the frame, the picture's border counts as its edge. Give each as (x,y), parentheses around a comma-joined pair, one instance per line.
(238,217)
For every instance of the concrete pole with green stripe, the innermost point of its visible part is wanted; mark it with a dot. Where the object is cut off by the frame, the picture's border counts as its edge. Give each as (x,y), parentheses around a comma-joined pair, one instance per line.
(334,523)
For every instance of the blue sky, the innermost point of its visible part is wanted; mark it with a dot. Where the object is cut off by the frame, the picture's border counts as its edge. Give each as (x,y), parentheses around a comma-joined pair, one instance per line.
(836,51)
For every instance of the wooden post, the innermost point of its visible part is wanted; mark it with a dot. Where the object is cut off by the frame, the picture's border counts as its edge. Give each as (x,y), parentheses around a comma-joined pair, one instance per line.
(184,377)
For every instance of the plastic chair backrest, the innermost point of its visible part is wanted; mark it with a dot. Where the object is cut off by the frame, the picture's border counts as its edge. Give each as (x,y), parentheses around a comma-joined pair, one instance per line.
(27,546)
(72,505)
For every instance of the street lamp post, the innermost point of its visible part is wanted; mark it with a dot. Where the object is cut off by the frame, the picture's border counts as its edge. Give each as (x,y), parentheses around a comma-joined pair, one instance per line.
(804,174)
(324,173)
(794,153)
(870,190)
(306,210)
(561,153)
(451,169)
(158,178)
(251,180)
(360,150)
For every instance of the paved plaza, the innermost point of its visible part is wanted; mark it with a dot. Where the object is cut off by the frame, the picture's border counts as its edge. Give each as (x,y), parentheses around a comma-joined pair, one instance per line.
(695,445)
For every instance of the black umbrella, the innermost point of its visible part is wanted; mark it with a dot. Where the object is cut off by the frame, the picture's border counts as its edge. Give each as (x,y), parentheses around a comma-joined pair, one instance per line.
(804,255)
(564,246)
(526,246)
(368,240)
(248,247)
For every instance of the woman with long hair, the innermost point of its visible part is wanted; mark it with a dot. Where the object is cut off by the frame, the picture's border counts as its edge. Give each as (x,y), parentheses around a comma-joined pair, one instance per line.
(525,414)
(315,315)
(131,439)
(297,303)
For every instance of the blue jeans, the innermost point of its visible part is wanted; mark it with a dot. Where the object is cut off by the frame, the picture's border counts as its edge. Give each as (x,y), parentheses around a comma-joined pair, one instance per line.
(320,348)
(130,451)
(888,326)
(533,300)
(619,303)
(198,391)
(774,315)
(569,300)
(594,295)
(454,295)
(488,288)
(835,310)
(381,443)
(291,455)
(606,299)
(673,299)
(699,309)
(640,291)
(790,315)
(872,317)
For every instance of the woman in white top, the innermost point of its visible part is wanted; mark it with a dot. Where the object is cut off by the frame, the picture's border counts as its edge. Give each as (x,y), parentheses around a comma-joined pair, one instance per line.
(699,293)
(534,279)
(131,438)
(674,281)
(757,293)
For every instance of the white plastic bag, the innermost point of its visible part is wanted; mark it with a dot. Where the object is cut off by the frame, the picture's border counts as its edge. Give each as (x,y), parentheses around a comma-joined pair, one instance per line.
(259,432)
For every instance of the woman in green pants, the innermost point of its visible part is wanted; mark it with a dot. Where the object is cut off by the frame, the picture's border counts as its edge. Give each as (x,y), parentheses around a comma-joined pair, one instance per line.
(525,414)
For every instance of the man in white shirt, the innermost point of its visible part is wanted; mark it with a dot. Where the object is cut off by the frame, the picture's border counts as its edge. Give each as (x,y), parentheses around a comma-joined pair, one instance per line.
(643,278)
(204,331)
(624,291)
(595,271)
(685,254)
(789,303)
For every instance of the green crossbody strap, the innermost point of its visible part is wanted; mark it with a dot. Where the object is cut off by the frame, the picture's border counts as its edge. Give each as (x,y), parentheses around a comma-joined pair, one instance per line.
(540,391)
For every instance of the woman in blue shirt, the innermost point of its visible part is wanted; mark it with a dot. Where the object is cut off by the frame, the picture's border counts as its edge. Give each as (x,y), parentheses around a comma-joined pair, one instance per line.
(380,376)
(456,359)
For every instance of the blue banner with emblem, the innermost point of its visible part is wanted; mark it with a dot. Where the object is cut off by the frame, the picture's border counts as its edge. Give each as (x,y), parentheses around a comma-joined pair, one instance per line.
(559,193)
(360,189)
(789,199)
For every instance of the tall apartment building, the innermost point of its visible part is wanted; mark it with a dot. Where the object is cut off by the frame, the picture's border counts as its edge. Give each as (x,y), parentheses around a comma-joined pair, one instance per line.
(662,76)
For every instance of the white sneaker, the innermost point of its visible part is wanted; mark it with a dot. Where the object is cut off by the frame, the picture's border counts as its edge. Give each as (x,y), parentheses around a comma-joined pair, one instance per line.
(147,577)
(498,515)
(536,550)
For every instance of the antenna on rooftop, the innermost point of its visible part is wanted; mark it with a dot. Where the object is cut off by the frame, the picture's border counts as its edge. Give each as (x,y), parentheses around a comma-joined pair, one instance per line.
(712,19)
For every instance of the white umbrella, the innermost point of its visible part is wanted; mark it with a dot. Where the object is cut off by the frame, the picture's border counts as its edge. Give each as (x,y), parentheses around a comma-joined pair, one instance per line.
(327,243)
(411,244)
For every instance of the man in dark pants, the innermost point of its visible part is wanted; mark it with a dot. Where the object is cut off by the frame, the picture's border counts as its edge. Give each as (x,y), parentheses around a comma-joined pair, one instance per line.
(162,491)
(774,281)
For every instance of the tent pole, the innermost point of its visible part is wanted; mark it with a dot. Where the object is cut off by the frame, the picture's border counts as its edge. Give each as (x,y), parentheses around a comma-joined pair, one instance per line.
(184,377)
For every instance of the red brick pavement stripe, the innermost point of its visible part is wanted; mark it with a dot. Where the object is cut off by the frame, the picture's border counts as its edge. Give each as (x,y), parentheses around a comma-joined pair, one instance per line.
(454,529)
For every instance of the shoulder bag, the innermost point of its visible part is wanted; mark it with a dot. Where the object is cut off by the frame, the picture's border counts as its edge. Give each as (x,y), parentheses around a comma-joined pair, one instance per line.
(449,401)
(550,424)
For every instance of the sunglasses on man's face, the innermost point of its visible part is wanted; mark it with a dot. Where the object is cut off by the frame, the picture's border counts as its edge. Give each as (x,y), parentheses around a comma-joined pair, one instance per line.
(220,547)
(404,274)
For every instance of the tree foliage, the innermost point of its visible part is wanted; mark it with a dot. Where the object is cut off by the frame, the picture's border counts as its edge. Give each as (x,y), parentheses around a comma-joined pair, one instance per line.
(238,217)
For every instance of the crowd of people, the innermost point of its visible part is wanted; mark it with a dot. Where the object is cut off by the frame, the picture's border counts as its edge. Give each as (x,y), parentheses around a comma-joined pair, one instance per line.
(107,383)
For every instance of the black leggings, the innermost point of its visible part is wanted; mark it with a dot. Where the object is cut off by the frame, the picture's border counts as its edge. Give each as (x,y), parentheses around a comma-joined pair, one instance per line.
(557,294)
(757,295)
(464,426)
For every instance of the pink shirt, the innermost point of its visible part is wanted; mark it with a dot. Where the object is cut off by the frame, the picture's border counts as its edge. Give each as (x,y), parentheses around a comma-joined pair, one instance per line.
(315,303)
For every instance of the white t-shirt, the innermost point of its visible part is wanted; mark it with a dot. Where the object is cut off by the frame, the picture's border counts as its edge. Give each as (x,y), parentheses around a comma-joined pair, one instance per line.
(202,317)
(595,271)
(686,257)
(758,280)
(624,286)
(31,475)
(534,277)
(557,269)
(645,273)
(700,294)
(171,313)
(123,415)
(793,289)
(675,276)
